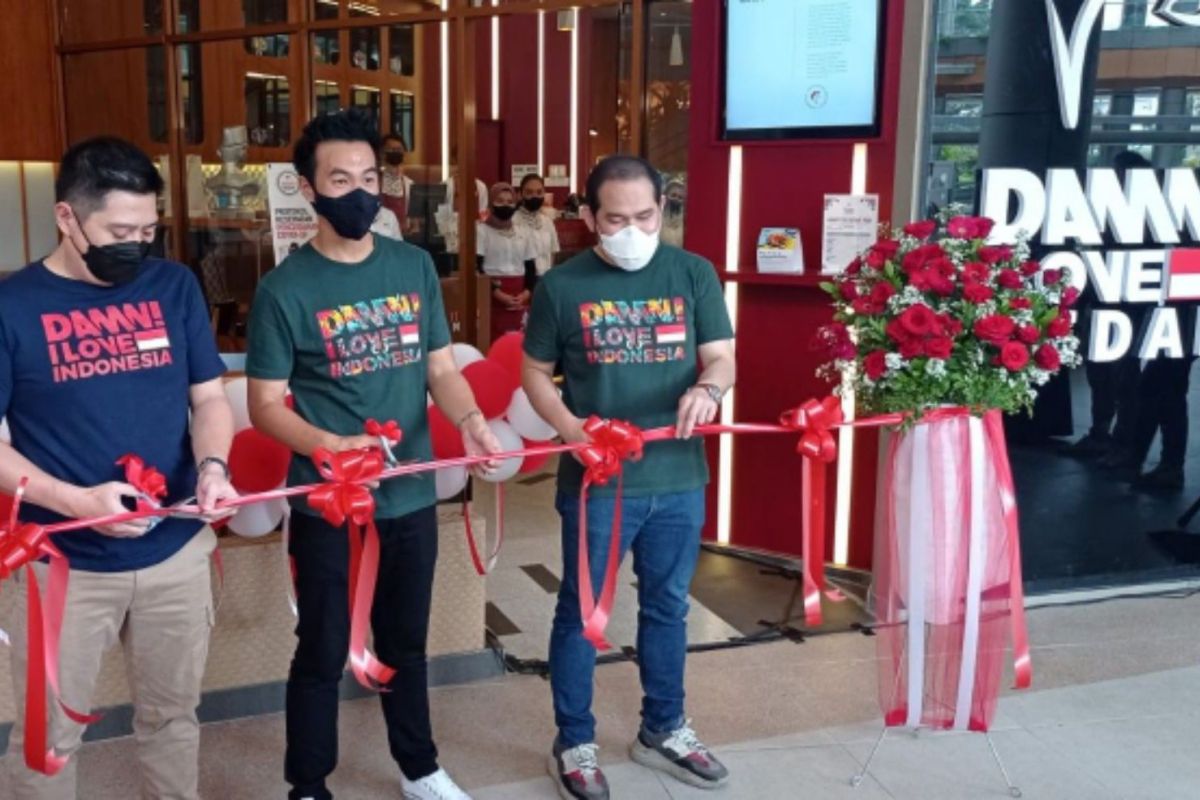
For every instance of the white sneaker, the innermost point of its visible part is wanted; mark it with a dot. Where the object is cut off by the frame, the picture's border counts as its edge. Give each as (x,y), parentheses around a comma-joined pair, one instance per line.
(437,786)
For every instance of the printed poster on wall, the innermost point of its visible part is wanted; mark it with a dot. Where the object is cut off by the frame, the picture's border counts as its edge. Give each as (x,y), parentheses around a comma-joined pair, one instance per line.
(293,221)
(851,225)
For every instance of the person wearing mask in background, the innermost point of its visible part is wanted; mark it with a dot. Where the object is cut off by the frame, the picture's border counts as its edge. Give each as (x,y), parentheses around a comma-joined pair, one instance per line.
(672,229)
(311,327)
(506,256)
(395,189)
(153,360)
(670,363)
(537,226)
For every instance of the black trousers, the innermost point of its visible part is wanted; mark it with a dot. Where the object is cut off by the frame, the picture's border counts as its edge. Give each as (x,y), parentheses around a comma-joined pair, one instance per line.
(400,622)
(1163,407)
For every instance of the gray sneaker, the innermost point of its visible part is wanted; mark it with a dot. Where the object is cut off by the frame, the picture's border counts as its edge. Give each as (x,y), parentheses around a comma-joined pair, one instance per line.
(577,773)
(681,755)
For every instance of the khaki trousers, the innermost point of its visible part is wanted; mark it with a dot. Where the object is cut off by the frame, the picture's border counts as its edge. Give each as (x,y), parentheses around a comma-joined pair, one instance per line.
(162,616)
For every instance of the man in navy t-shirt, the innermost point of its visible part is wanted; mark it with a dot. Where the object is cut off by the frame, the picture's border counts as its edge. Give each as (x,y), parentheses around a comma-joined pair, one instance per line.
(103,352)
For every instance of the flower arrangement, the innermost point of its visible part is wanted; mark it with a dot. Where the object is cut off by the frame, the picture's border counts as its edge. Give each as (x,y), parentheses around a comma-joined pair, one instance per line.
(933,315)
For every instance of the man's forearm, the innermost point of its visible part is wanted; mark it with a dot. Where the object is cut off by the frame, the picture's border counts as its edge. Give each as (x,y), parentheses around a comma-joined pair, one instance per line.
(286,426)
(452,394)
(546,401)
(42,490)
(212,430)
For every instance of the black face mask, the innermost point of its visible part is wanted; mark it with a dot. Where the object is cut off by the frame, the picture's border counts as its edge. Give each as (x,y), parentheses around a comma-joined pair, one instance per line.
(351,215)
(503,213)
(394,157)
(534,204)
(674,206)
(116,263)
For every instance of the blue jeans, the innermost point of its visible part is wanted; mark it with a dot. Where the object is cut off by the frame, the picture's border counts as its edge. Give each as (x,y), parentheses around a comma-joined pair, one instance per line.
(664,533)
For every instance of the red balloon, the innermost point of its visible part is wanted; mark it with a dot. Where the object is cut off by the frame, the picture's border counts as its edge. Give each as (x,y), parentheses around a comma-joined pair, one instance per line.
(257,463)
(507,351)
(446,440)
(493,386)
(532,463)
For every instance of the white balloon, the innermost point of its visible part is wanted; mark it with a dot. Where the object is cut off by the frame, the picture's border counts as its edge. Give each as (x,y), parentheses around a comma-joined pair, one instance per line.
(526,421)
(450,481)
(235,390)
(5,435)
(257,520)
(465,354)
(509,440)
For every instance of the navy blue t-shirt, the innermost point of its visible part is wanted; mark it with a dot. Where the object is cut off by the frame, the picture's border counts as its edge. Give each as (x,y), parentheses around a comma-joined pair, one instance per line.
(89,373)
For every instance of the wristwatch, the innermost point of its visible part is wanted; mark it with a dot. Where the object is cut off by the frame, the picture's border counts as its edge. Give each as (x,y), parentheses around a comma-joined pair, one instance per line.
(213,460)
(713,390)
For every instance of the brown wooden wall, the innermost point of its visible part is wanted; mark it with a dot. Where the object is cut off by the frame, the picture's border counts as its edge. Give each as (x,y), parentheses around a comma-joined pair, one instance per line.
(30,129)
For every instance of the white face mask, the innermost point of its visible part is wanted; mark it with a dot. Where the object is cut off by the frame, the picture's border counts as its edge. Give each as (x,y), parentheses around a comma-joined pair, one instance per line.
(630,248)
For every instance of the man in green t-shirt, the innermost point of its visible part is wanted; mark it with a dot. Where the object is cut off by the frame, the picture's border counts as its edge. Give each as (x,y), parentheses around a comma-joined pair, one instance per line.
(642,334)
(353,323)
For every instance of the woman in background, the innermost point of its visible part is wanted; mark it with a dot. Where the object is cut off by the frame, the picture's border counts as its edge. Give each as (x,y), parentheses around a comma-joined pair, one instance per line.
(537,226)
(507,258)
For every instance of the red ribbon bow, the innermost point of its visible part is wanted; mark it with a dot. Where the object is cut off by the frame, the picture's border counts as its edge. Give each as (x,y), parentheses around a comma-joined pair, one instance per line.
(388,430)
(613,442)
(22,544)
(815,421)
(344,499)
(147,480)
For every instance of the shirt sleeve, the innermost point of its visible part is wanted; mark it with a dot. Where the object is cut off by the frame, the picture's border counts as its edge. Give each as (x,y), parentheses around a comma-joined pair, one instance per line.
(7,373)
(204,361)
(541,329)
(439,331)
(712,317)
(269,345)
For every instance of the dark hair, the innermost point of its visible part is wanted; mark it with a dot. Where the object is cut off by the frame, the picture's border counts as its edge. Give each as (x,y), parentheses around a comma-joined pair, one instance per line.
(530,178)
(348,125)
(394,137)
(95,167)
(621,168)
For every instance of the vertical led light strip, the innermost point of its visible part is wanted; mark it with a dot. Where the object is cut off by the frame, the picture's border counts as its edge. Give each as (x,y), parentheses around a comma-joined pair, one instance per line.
(845,466)
(573,170)
(445,48)
(495,64)
(733,243)
(541,93)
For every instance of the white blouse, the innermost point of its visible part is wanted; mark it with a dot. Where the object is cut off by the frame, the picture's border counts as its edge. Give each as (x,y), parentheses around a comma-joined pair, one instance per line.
(542,235)
(504,252)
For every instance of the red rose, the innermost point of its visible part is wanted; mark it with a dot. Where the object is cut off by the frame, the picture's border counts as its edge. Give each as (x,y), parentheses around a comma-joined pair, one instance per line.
(922,278)
(951,326)
(977,293)
(1070,297)
(919,257)
(1051,277)
(1028,334)
(942,286)
(939,347)
(848,290)
(886,248)
(995,328)
(865,306)
(875,364)
(876,260)
(1060,326)
(1014,356)
(970,227)
(975,272)
(1047,358)
(994,255)
(1021,302)
(882,292)
(1030,268)
(918,320)
(855,267)
(895,330)
(921,230)
(912,348)
(944,266)
(1009,279)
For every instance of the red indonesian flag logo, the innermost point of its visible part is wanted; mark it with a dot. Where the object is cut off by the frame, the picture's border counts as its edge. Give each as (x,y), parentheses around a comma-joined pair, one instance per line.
(1183,271)
(410,334)
(155,339)
(670,334)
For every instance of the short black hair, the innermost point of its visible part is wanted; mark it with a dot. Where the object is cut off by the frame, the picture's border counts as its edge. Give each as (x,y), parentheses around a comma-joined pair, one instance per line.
(94,167)
(621,168)
(530,178)
(394,137)
(347,125)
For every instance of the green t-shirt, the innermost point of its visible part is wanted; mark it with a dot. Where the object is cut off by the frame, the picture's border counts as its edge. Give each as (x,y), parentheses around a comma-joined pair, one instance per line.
(627,342)
(351,340)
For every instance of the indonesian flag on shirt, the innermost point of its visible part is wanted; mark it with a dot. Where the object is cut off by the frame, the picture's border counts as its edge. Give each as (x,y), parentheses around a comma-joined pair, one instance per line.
(670,334)
(152,340)
(1183,268)
(410,334)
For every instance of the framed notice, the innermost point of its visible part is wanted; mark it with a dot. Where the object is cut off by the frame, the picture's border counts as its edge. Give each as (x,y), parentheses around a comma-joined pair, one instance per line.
(293,221)
(850,226)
